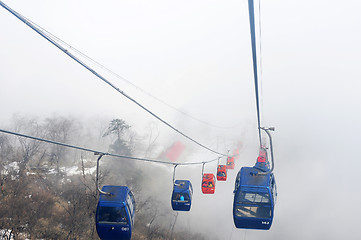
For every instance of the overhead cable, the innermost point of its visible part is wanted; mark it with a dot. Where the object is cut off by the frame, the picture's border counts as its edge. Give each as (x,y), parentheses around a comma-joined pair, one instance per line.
(254,57)
(260,57)
(103,153)
(39,31)
(52,36)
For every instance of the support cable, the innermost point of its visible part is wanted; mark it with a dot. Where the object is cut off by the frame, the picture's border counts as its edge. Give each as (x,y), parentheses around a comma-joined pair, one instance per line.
(52,36)
(103,153)
(254,56)
(21,18)
(255,71)
(260,57)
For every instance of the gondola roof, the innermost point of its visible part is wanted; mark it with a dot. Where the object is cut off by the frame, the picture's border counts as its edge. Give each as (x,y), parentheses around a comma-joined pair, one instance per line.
(118,194)
(251,176)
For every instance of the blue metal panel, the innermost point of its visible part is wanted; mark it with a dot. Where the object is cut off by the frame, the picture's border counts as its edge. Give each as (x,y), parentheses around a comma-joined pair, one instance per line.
(117,194)
(113,219)
(253,223)
(250,177)
(182,195)
(253,200)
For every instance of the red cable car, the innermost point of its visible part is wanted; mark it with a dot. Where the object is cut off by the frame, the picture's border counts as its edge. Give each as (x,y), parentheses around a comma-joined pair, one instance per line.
(208,183)
(221,173)
(230,163)
(261,159)
(263,153)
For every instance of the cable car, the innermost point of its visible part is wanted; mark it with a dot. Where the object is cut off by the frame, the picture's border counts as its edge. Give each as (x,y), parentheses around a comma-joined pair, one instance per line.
(208,183)
(182,195)
(261,159)
(221,173)
(230,163)
(115,213)
(254,197)
(263,153)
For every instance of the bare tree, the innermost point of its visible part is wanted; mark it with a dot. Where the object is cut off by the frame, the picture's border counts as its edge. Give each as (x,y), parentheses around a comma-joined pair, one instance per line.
(29,147)
(37,205)
(153,227)
(152,138)
(58,129)
(5,148)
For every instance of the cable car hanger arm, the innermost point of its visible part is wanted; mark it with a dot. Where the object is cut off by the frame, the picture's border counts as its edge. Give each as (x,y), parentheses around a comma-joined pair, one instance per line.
(97,176)
(271,148)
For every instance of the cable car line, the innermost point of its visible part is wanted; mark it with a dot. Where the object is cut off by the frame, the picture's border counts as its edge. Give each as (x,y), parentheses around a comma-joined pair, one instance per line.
(50,35)
(260,57)
(254,57)
(21,18)
(255,191)
(255,71)
(104,153)
(255,188)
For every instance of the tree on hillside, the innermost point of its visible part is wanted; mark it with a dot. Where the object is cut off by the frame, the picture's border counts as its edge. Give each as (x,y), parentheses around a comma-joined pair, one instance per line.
(118,127)
(121,170)
(41,205)
(151,137)
(58,129)
(29,148)
(5,148)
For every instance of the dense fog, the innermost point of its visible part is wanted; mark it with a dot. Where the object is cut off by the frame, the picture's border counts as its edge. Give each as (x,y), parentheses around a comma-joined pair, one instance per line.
(195,58)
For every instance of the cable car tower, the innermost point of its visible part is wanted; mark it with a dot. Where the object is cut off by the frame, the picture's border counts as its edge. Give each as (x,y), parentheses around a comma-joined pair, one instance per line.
(255,189)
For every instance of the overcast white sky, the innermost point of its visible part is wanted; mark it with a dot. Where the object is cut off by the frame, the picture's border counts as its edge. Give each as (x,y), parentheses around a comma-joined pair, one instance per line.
(196,56)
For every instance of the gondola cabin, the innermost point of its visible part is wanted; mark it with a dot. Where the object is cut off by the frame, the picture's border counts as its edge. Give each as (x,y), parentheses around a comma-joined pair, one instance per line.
(230,163)
(182,195)
(115,213)
(263,153)
(261,159)
(221,173)
(208,183)
(254,198)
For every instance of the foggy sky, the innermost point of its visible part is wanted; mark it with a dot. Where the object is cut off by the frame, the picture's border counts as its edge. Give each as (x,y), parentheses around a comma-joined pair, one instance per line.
(196,56)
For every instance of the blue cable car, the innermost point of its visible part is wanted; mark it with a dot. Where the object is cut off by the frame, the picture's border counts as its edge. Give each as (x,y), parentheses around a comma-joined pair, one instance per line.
(115,213)
(254,197)
(182,195)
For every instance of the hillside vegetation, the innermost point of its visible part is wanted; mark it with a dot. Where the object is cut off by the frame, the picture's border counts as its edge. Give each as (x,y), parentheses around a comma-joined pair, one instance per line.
(48,191)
